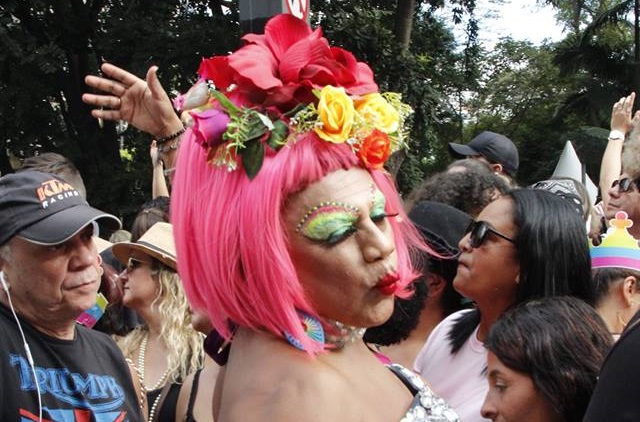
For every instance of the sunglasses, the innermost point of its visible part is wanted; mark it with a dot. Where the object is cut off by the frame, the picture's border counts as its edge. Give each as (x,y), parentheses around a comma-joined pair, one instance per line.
(133,263)
(478,233)
(624,185)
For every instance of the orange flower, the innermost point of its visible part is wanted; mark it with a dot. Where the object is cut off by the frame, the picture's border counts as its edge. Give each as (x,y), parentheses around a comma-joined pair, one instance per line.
(375,149)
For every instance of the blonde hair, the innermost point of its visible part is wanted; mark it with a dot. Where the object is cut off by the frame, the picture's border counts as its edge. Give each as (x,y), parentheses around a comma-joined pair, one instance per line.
(185,344)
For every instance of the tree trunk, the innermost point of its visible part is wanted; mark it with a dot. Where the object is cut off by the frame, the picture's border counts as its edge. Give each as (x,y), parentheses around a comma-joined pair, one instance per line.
(404,22)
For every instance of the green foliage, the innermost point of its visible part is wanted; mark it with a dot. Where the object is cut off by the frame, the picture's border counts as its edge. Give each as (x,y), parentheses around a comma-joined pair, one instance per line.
(46,49)
(538,96)
(429,74)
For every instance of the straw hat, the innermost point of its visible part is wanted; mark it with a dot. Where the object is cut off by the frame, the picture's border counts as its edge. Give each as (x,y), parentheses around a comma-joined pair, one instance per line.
(101,244)
(157,242)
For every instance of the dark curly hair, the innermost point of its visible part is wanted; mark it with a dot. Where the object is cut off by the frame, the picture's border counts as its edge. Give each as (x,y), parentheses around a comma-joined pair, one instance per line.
(469,190)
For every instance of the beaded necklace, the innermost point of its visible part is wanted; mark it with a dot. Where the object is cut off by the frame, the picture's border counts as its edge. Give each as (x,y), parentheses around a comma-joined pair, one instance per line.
(141,357)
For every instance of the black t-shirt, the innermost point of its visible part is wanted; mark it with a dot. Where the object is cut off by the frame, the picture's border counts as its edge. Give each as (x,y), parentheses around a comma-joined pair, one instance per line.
(84,379)
(615,398)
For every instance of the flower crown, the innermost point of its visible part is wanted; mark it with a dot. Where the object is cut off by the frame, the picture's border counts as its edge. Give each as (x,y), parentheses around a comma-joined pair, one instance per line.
(287,83)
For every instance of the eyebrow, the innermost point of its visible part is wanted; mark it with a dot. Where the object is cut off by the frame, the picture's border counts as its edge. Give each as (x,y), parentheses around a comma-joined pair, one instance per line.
(494,373)
(324,207)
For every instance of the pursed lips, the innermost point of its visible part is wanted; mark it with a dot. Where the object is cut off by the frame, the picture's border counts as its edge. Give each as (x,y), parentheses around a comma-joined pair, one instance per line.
(388,283)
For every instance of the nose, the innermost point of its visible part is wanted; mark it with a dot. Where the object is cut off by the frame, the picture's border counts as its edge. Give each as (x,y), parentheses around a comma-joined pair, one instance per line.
(488,410)
(464,244)
(614,190)
(84,251)
(123,276)
(377,242)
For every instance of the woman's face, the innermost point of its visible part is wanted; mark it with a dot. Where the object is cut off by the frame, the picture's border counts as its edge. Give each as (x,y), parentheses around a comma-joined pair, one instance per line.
(513,397)
(139,287)
(488,273)
(342,247)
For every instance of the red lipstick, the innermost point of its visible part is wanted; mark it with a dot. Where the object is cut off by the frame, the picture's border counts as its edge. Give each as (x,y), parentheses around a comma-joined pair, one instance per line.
(388,284)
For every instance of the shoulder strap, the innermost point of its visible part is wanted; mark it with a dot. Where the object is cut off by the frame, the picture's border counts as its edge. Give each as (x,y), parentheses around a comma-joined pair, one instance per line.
(192,396)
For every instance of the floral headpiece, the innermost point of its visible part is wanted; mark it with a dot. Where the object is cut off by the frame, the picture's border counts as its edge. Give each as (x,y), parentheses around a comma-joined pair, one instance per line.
(286,83)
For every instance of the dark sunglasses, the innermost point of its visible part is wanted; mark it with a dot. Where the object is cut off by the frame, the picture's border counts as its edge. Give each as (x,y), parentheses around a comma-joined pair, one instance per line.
(478,233)
(624,185)
(133,263)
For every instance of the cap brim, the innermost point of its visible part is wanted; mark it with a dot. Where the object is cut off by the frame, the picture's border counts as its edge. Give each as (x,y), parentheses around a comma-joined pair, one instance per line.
(65,224)
(461,151)
(122,251)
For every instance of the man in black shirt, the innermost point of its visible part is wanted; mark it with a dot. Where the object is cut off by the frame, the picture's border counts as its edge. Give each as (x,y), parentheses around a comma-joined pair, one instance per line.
(51,368)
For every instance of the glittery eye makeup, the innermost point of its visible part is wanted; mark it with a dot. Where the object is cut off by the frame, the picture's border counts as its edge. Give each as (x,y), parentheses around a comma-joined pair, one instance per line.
(329,221)
(377,205)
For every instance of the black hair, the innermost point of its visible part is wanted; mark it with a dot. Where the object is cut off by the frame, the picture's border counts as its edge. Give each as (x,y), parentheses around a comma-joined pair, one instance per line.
(604,277)
(552,251)
(561,343)
(403,320)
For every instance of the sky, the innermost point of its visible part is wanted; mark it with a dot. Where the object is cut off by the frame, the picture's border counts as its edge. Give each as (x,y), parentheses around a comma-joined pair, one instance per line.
(520,19)
(523,20)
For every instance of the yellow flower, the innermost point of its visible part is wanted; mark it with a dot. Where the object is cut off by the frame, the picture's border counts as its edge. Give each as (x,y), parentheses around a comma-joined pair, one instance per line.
(336,115)
(377,111)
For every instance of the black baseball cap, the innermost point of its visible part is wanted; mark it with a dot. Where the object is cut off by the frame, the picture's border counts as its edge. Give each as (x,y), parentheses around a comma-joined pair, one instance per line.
(44,209)
(441,225)
(494,147)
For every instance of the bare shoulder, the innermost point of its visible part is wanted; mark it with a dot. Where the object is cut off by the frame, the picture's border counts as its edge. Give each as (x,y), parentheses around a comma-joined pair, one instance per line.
(282,387)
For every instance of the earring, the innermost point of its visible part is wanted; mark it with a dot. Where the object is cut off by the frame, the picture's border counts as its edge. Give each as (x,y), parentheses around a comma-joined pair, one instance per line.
(312,327)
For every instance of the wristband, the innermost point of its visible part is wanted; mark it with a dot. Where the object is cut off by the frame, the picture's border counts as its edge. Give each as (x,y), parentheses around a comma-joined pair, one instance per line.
(616,135)
(170,137)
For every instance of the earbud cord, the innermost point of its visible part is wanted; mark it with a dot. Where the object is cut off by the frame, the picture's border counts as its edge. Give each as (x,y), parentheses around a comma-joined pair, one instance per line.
(26,345)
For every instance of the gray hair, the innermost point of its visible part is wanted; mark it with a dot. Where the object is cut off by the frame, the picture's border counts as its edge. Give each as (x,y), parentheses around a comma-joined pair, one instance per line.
(5,251)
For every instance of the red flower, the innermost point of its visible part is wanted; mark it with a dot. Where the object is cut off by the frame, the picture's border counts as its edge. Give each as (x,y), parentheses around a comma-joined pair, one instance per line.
(284,65)
(375,149)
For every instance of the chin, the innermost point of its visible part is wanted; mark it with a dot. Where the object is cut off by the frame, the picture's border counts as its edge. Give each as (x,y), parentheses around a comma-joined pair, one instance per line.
(610,212)
(381,314)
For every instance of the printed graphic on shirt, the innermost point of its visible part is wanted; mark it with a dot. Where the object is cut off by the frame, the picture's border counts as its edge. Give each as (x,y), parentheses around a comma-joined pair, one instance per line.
(81,398)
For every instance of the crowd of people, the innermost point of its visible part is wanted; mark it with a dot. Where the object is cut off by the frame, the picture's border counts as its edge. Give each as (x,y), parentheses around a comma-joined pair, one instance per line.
(276,274)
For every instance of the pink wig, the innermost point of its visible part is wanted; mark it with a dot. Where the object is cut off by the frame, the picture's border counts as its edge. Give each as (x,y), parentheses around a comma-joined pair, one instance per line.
(231,240)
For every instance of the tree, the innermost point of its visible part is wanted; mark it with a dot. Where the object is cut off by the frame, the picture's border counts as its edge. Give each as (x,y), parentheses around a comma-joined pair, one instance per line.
(47,47)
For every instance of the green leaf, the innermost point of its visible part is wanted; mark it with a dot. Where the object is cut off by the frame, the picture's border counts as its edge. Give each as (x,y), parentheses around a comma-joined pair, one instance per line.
(278,135)
(226,102)
(255,125)
(252,157)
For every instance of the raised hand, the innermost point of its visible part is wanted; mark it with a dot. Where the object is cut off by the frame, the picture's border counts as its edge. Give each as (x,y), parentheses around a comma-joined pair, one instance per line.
(621,118)
(143,103)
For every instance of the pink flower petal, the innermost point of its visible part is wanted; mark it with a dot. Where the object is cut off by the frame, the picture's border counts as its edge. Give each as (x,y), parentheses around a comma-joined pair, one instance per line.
(209,125)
